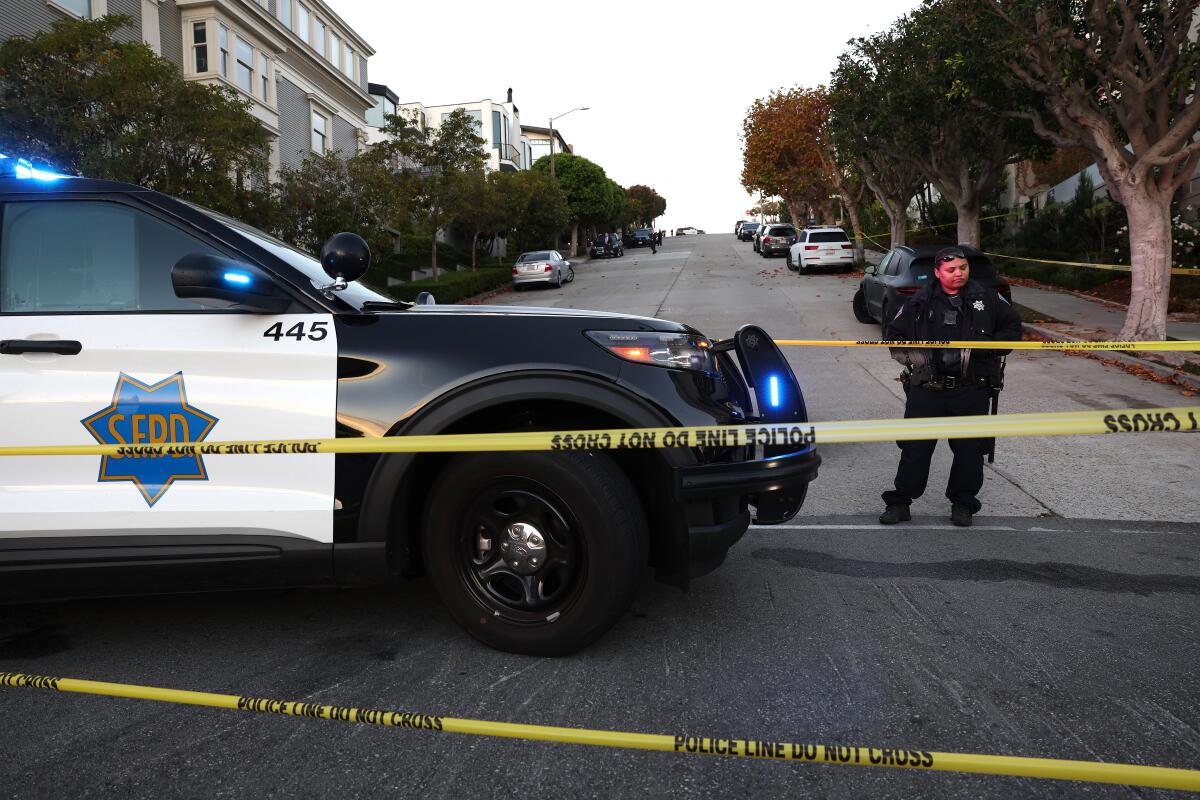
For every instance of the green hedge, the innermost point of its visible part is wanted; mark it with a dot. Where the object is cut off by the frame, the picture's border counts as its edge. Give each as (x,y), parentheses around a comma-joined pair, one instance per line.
(451,287)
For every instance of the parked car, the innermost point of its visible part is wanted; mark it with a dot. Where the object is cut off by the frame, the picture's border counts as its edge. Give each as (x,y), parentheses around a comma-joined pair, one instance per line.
(607,245)
(746,234)
(902,273)
(821,247)
(541,266)
(776,239)
(175,324)
(641,237)
(688,231)
(738,227)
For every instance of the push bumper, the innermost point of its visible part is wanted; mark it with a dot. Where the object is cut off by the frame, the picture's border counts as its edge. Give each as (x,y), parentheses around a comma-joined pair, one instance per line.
(765,483)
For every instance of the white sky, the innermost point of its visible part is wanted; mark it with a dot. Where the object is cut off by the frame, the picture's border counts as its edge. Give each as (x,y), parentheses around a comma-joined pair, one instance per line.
(667,101)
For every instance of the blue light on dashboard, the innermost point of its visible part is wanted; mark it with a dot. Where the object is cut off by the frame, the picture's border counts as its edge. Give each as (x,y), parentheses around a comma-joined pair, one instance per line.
(774,396)
(240,278)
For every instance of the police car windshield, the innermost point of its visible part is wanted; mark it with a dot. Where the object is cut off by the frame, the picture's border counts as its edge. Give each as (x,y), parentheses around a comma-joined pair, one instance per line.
(356,293)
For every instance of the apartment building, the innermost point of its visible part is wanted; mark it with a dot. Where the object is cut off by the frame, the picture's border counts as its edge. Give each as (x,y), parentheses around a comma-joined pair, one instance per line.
(537,141)
(498,123)
(302,69)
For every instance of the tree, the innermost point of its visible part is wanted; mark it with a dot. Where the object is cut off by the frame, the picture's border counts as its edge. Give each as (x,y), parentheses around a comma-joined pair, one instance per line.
(429,163)
(88,104)
(537,208)
(589,192)
(920,116)
(643,205)
(781,153)
(331,193)
(479,206)
(858,124)
(1117,77)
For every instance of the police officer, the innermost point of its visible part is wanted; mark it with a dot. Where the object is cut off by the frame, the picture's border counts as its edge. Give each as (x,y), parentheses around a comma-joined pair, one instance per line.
(945,382)
(653,249)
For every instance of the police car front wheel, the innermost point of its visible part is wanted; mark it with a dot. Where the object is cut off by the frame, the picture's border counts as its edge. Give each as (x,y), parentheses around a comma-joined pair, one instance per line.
(535,553)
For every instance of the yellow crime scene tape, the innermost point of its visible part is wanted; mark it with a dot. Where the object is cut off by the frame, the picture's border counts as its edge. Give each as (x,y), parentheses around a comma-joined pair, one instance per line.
(1179,419)
(1187,345)
(1116,267)
(844,755)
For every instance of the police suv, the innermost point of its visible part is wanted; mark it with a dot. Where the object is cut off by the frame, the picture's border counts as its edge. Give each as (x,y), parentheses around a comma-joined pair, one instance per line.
(127,317)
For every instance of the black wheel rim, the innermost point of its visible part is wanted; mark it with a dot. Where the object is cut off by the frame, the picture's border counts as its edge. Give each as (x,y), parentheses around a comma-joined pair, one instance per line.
(497,552)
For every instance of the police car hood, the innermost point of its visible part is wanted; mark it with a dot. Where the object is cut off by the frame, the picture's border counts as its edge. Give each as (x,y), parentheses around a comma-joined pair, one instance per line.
(539,311)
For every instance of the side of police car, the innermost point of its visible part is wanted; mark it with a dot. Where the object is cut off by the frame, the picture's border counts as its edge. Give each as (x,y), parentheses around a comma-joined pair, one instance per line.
(127,316)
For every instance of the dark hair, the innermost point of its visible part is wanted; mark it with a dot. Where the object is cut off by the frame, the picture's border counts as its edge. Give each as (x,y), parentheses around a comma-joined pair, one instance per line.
(948,254)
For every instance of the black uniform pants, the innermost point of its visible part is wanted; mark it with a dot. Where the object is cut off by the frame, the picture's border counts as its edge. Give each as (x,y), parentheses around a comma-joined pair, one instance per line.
(966,473)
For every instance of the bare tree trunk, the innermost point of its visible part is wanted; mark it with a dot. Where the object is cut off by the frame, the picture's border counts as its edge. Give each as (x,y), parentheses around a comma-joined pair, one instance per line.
(899,225)
(1150,252)
(474,249)
(860,255)
(968,222)
(574,238)
(794,207)
(433,256)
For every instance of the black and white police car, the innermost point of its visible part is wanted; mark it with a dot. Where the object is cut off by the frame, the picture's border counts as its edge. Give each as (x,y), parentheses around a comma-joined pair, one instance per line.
(127,316)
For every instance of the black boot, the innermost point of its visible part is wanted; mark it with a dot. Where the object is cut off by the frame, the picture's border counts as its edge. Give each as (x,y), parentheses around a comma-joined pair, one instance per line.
(960,515)
(896,512)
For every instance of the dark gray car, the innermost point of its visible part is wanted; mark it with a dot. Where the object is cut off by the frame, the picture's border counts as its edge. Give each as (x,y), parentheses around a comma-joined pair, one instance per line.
(776,239)
(902,273)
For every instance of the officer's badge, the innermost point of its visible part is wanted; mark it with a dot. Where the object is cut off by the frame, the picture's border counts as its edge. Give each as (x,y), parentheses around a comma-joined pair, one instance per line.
(150,414)
(977,305)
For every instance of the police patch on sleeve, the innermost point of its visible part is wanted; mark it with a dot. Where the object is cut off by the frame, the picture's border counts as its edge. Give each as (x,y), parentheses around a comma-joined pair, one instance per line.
(150,414)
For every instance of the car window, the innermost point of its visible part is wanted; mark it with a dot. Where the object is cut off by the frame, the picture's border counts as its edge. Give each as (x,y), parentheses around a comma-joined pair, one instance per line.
(893,267)
(802,236)
(883,265)
(85,255)
(829,236)
(783,230)
(526,257)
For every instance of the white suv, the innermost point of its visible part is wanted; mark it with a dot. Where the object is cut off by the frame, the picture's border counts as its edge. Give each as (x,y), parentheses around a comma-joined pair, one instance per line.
(821,247)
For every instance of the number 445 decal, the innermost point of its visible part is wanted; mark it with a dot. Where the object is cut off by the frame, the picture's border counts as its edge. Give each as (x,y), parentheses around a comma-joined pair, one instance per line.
(316,331)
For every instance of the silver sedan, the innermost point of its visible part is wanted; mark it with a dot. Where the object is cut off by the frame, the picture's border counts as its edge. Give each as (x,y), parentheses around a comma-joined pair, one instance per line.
(542,266)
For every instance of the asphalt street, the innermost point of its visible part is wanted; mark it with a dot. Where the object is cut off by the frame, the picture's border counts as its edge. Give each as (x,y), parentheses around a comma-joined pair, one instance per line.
(1065,624)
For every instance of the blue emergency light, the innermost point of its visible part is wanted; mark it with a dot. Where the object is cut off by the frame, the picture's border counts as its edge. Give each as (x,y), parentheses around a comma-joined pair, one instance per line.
(774,394)
(240,278)
(23,168)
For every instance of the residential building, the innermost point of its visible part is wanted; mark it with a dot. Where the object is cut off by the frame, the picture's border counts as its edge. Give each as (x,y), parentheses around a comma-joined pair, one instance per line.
(384,104)
(498,123)
(301,67)
(537,142)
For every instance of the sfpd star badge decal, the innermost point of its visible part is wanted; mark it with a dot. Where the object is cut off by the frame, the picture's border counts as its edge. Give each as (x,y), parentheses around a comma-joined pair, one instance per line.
(150,414)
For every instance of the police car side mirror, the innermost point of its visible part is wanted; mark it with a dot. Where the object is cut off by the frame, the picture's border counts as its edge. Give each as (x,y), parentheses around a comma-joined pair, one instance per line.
(345,258)
(219,282)
(870,269)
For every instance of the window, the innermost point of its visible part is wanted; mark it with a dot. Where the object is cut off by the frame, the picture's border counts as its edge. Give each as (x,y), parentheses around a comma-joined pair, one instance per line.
(348,61)
(302,21)
(244,76)
(335,49)
(80,8)
(319,35)
(829,236)
(117,258)
(223,42)
(285,12)
(320,127)
(496,136)
(199,34)
(264,75)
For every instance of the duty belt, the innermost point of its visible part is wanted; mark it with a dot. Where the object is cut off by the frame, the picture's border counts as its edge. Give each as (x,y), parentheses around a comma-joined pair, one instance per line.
(946,382)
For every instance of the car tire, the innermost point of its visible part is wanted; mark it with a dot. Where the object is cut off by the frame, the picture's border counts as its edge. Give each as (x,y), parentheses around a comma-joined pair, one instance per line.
(570,274)
(790,264)
(801,267)
(861,312)
(588,521)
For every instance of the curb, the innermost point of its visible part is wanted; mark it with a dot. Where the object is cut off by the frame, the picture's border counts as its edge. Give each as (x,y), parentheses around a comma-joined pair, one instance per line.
(1183,378)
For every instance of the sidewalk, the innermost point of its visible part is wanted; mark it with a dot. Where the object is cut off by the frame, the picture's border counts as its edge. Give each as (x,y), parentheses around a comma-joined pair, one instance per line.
(1093,314)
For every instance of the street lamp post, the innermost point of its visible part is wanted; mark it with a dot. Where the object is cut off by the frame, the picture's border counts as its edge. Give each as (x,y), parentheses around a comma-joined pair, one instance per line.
(560,116)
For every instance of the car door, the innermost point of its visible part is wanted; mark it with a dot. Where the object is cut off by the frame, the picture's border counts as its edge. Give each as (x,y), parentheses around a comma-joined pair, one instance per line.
(97,349)
(873,285)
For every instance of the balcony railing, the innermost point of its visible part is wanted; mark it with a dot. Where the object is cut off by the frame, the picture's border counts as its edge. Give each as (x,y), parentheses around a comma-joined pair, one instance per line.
(508,153)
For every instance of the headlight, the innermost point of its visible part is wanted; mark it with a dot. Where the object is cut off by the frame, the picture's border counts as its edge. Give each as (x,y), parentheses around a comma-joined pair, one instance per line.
(678,350)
